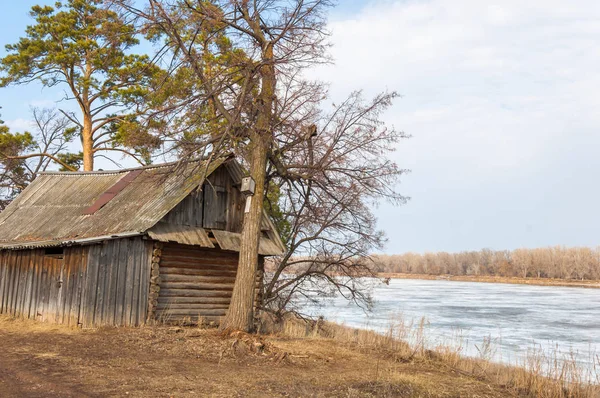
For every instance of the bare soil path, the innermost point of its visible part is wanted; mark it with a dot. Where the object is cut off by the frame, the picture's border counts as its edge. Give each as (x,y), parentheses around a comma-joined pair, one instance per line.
(39,360)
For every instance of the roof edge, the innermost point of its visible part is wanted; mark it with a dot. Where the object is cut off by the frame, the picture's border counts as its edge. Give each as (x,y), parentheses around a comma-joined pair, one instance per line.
(225,157)
(66,242)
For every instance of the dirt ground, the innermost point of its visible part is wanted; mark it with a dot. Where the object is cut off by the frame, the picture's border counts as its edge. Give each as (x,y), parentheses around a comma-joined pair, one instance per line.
(40,360)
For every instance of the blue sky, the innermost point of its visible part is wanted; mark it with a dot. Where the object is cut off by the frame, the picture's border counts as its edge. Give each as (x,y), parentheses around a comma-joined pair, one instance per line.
(16,101)
(501,98)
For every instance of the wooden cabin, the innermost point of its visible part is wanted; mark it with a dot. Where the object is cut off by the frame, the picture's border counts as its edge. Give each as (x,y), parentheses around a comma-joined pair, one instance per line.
(126,247)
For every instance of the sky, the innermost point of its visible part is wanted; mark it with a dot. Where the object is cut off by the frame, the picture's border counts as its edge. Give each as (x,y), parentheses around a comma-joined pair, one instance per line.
(502,102)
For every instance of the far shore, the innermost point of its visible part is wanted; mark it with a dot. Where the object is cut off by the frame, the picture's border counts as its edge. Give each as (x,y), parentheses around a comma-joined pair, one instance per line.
(595,284)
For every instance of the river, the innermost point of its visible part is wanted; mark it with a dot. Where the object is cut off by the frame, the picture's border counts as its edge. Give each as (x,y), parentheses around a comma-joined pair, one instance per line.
(515,318)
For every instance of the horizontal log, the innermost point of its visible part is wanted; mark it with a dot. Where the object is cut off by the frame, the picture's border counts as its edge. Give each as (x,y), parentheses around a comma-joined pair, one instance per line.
(194,300)
(202,257)
(196,278)
(194,319)
(196,286)
(197,265)
(196,271)
(194,293)
(221,287)
(202,260)
(154,288)
(217,255)
(192,307)
(166,313)
(187,248)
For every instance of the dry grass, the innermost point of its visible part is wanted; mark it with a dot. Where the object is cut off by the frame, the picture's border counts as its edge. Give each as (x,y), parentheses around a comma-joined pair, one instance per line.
(542,374)
(41,360)
(290,359)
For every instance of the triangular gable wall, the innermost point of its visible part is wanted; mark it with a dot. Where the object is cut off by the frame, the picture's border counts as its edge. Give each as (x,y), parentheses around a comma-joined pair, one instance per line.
(215,211)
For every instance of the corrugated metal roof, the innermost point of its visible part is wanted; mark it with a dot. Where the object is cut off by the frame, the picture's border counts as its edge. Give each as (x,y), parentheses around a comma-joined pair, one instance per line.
(51,209)
(56,243)
(236,171)
(184,234)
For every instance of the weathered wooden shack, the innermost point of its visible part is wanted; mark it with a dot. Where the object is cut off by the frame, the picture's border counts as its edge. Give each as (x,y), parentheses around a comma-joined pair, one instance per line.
(126,247)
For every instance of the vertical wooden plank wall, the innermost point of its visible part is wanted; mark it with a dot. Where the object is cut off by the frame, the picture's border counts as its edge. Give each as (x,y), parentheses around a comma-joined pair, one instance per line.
(188,211)
(235,206)
(117,282)
(223,202)
(43,287)
(218,205)
(102,284)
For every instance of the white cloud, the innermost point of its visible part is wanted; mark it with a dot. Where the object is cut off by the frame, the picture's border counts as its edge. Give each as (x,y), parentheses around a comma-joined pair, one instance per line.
(19,125)
(43,103)
(502,94)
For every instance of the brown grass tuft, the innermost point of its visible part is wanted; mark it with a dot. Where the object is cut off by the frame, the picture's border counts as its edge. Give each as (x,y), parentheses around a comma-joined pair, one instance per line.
(543,375)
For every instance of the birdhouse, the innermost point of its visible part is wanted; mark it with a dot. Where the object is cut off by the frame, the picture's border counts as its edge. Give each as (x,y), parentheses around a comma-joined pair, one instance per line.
(248,186)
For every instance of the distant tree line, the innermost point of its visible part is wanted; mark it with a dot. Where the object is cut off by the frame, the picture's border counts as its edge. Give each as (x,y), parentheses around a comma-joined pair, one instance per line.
(551,262)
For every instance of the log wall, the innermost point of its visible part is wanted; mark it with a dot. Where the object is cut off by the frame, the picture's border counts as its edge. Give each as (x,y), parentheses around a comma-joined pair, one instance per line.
(195,284)
(121,282)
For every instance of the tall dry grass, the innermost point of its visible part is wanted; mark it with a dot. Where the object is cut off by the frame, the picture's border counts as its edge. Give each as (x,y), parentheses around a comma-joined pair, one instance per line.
(541,374)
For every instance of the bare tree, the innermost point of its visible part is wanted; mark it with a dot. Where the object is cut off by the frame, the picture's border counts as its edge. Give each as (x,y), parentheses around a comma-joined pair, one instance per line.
(328,184)
(245,57)
(24,155)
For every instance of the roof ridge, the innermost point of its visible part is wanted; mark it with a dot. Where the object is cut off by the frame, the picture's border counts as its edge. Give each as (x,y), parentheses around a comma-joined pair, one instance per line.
(108,172)
(127,170)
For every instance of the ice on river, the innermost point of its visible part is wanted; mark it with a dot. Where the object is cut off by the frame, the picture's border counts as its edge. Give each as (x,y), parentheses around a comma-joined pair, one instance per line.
(517,318)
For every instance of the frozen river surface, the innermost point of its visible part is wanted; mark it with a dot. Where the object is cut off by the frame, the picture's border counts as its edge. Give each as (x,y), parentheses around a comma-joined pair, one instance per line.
(517,318)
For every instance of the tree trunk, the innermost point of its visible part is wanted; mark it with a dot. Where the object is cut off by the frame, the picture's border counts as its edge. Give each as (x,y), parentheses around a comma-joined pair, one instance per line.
(87,139)
(87,143)
(240,314)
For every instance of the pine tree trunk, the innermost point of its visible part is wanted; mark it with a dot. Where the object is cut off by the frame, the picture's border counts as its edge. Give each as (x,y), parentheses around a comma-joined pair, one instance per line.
(87,144)
(87,139)
(240,314)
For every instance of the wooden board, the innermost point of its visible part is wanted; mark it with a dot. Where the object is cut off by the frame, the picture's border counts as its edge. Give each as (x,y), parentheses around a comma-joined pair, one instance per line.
(189,211)
(184,234)
(231,241)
